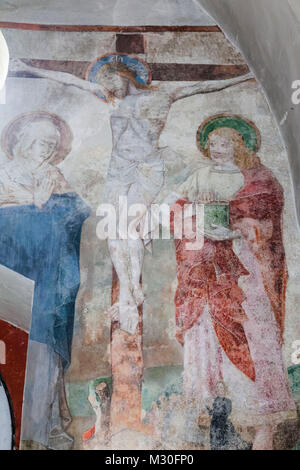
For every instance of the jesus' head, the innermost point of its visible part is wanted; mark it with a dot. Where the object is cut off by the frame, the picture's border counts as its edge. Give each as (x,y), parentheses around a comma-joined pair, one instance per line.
(116,77)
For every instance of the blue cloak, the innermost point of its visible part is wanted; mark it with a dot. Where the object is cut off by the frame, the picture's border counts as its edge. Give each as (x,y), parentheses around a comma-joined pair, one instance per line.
(44,245)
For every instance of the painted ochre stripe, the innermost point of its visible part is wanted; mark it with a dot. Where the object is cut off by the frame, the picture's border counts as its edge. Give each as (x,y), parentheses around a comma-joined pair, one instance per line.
(101,28)
(160,71)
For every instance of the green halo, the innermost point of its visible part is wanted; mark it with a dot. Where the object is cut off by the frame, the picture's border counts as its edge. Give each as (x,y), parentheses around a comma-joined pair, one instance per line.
(246,128)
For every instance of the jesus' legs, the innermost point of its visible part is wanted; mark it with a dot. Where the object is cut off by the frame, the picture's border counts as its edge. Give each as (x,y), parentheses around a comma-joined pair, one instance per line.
(136,257)
(127,257)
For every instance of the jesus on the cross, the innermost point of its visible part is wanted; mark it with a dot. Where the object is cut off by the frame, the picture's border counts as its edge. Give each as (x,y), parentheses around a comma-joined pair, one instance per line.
(136,169)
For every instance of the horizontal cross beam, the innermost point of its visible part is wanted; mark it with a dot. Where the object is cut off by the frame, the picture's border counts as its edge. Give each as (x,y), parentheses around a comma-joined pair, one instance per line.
(160,71)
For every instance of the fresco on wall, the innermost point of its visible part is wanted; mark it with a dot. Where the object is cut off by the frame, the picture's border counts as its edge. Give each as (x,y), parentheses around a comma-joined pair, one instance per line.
(41,219)
(143,342)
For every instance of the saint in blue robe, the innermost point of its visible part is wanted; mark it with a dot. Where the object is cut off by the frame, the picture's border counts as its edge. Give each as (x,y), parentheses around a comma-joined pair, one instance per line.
(44,245)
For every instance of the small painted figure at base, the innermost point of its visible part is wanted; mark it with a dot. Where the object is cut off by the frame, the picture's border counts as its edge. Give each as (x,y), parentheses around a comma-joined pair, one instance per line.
(223,435)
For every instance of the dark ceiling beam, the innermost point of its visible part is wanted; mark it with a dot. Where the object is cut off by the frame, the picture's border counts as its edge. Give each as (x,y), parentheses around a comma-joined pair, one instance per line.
(101,28)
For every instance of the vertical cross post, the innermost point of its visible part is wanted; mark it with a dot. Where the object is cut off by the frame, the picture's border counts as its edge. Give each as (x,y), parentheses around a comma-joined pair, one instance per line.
(127,372)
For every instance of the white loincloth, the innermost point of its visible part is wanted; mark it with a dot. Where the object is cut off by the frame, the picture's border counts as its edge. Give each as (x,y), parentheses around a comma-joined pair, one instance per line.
(140,181)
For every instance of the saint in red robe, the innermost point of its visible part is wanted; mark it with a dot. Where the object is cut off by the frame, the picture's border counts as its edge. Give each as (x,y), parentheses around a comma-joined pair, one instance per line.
(210,276)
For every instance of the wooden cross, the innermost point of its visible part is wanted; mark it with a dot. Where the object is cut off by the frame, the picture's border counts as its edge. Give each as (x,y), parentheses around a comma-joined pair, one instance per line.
(127,367)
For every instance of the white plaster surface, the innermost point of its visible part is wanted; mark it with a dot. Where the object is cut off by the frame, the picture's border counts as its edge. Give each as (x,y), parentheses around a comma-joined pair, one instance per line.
(170,47)
(295,5)
(104,12)
(16,295)
(4,60)
(56,45)
(191,48)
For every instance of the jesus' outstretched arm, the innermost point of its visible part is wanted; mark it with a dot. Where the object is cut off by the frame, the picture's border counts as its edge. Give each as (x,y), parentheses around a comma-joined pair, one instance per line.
(17,65)
(209,86)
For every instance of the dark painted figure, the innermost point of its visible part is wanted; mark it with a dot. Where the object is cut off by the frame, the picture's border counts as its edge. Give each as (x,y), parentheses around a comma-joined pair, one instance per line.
(223,435)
